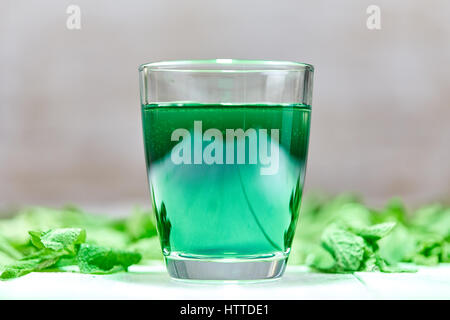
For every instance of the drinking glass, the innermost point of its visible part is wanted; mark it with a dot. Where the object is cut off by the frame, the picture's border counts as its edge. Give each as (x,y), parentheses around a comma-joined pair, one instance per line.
(226,145)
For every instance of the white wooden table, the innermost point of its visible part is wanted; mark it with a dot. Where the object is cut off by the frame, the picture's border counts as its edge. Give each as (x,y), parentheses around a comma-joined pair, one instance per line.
(152,282)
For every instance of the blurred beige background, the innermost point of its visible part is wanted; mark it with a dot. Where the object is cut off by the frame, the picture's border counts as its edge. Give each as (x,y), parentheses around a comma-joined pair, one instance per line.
(69,109)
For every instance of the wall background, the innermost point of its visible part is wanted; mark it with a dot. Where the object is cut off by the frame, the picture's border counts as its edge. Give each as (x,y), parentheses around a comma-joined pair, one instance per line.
(69,109)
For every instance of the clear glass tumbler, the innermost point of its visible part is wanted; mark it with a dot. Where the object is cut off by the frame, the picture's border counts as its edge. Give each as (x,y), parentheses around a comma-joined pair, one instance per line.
(226,145)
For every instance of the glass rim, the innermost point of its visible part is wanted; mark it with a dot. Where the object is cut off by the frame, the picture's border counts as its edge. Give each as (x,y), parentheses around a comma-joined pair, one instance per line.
(226,65)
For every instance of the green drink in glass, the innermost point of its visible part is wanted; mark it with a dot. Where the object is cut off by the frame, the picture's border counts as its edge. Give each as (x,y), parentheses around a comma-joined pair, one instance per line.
(226,145)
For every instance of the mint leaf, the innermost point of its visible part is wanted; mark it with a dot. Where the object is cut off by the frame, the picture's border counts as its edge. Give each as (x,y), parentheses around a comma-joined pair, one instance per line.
(395,210)
(58,239)
(371,263)
(321,260)
(433,219)
(25,266)
(149,248)
(374,233)
(446,251)
(140,224)
(377,231)
(106,236)
(399,245)
(8,249)
(346,248)
(97,259)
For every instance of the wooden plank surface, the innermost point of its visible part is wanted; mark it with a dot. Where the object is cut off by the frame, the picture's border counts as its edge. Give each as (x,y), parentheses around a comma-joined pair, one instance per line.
(152,282)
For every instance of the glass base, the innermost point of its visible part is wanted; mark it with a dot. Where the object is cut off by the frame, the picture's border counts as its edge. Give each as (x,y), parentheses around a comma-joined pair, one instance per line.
(226,269)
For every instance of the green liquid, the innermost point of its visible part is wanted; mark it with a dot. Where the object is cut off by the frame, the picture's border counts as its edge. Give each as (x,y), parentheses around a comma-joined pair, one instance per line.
(227,210)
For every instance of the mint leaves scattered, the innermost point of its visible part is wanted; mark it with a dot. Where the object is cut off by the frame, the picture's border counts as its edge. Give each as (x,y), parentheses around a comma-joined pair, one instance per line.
(351,250)
(342,235)
(108,250)
(335,234)
(69,244)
